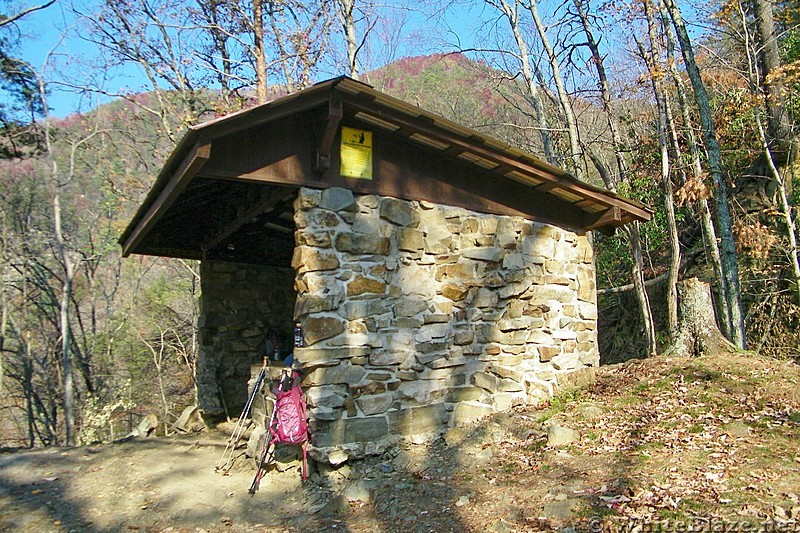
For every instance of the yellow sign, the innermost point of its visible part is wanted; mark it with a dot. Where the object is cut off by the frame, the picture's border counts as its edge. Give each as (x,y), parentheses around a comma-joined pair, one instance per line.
(356,153)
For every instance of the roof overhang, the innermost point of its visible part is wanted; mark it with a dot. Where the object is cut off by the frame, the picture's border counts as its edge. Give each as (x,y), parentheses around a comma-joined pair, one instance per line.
(195,167)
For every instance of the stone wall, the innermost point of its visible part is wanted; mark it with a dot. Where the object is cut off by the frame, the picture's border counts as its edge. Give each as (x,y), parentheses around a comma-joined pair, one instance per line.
(240,306)
(417,315)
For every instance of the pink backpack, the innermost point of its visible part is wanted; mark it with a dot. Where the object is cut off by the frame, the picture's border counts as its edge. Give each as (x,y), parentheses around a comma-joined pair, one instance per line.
(290,425)
(287,425)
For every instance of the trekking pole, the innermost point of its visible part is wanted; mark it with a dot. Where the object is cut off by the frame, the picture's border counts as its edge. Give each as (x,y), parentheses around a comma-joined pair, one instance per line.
(268,440)
(238,430)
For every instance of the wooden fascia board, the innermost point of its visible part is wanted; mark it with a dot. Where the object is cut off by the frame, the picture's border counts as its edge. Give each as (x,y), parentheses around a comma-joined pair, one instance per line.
(189,167)
(502,159)
(275,110)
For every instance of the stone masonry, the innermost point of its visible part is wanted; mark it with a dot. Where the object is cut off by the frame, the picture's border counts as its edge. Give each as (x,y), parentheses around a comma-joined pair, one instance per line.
(417,315)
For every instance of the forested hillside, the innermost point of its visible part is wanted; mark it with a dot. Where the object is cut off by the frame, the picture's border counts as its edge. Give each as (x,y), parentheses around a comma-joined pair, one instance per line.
(692,109)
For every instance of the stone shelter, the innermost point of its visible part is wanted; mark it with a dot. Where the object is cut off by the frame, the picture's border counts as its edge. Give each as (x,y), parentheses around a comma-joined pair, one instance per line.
(438,274)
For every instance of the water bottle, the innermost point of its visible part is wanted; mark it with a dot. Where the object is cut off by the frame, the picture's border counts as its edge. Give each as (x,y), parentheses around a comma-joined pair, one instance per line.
(298,335)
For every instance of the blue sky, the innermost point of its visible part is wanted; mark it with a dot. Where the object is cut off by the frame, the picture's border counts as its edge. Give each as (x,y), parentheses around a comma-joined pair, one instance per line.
(50,43)
(53,33)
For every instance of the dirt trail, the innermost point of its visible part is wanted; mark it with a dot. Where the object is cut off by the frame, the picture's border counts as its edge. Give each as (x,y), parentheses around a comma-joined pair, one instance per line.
(713,440)
(147,484)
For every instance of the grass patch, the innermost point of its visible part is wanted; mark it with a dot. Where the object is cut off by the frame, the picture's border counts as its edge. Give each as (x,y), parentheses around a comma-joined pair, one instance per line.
(560,404)
(651,446)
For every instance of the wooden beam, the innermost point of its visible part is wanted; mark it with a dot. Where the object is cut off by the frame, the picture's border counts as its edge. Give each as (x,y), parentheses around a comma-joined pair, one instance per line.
(607,221)
(246,215)
(166,251)
(546,187)
(335,114)
(188,169)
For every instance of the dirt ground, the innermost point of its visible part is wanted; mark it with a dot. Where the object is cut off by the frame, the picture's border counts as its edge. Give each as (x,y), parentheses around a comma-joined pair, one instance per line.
(706,442)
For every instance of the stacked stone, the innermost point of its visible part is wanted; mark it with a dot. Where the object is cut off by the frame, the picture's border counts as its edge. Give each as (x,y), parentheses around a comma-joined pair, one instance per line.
(416,315)
(240,304)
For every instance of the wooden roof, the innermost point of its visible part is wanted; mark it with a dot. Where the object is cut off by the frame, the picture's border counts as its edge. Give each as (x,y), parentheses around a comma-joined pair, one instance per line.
(226,190)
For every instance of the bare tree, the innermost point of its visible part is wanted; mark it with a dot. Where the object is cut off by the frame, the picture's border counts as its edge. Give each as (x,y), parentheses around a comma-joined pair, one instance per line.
(69,259)
(155,37)
(347,17)
(598,62)
(564,100)
(655,66)
(693,190)
(730,262)
(771,107)
(14,17)
(511,13)
(259,52)
(767,61)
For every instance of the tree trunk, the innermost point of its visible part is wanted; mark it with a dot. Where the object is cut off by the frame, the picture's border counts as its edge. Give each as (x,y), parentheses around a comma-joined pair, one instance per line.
(346,9)
(563,98)
(605,91)
(640,290)
(3,307)
(778,124)
(653,60)
(703,212)
(211,16)
(27,366)
(533,94)
(258,50)
(730,262)
(698,333)
(632,230)
(700,205)
(27,381)
(66,345)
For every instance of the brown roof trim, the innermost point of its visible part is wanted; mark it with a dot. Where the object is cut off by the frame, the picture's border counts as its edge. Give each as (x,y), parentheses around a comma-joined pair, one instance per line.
(232,123)
(163,197)
(481,145)
(186,159)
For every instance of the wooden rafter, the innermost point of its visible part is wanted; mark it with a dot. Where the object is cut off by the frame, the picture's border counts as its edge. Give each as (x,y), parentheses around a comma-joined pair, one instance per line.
(268,200)
(460,144)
